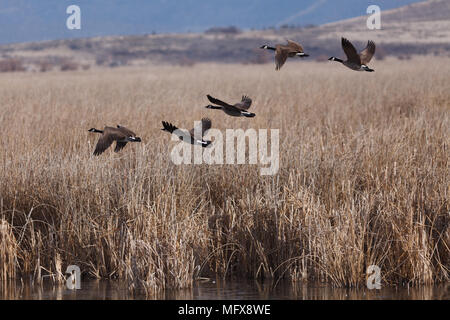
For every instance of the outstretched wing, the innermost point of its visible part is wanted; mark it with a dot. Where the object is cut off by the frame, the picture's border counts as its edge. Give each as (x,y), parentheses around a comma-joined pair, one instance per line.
(169,127)
(126,131)
(202,127)
(103,143)
(281,56)
(245,103)
(295,46)
(119,146)
(367,54)
(350,51)
(218,102)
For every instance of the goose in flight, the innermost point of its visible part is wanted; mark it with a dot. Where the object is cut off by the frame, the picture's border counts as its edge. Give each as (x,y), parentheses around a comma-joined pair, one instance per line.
(357,61)
(282,52)
(239,109)
(195,135)
(120,135)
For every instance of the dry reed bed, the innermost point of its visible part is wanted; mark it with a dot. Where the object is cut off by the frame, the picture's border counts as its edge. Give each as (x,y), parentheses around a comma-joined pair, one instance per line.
(363,180)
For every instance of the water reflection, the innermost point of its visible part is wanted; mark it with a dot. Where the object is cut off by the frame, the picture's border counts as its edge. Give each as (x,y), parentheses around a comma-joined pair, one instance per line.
(217,290)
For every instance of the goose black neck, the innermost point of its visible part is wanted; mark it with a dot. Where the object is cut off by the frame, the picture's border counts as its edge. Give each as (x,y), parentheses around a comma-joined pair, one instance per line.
(98,131)
(213,107)
(270,48)
(337,59)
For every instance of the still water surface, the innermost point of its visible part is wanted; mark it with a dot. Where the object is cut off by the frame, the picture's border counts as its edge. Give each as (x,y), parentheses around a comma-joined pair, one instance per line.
(219,290)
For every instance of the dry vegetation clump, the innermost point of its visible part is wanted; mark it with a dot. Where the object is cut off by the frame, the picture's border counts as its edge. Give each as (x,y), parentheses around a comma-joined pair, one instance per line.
(69,66)
(363,179)
(186,62)
(231,30)
(45,66)
(11,65)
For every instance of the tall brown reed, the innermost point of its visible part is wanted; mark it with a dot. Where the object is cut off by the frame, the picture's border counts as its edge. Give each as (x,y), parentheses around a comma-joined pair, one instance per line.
(363,180)
(8,252)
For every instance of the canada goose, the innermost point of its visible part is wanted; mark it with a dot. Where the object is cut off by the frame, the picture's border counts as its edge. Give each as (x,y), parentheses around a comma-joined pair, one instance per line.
(191,137)
(120,134)
(282,52)
(357,61)
(238,110)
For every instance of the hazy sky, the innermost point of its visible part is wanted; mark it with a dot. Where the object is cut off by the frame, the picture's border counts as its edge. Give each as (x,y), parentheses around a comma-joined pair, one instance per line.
(35,20)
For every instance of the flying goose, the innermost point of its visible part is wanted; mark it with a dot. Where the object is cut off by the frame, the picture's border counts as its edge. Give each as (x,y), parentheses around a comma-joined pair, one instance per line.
(191,137)
(238,110)
(282,52)
(120,134)
(354,60)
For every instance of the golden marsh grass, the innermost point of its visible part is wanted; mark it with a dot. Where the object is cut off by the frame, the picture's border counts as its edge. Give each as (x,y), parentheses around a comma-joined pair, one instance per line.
(363,176)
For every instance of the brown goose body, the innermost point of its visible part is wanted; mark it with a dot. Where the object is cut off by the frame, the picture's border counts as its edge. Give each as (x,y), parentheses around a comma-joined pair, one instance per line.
(282,52)
(120,135)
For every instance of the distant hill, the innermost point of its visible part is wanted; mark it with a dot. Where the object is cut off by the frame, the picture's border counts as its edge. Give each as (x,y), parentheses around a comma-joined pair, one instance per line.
(422,28)
(33,20)
(424,22)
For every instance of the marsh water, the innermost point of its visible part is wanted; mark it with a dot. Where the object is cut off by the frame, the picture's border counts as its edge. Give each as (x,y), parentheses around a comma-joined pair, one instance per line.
(219,290)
